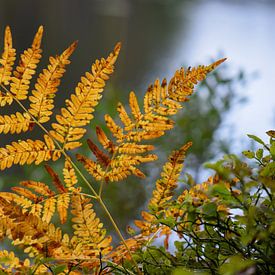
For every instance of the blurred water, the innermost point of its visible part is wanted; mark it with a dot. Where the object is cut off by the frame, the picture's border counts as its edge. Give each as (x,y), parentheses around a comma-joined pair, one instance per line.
(244,32)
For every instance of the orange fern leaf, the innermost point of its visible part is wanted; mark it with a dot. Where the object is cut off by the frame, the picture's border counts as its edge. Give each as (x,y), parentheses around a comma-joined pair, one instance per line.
(26,69)
(15,123)
(62,204)
(28,151)
(81,104)
(6,61)
(88,228)
(169,178)
(42,97)
(56,180)
(49,209)
(39,187)
(70,178)
(160,101)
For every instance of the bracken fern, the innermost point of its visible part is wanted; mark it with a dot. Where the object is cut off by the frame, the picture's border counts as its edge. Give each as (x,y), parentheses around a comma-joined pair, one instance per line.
(26,212)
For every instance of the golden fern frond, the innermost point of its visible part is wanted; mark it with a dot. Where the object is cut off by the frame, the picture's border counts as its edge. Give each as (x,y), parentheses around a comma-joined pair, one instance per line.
(49,209)
(162,194)
(120,253)
(81,104)
(18,199)
(20,82)
(160,101)
(169,179)
(88,228)
(44,204)
(15,123)
(39,187)
(69,175)
(27,152)
(7,60)
(62,205)
(56,180)
(26,193)
(9,263)
(29,231)
(47,84)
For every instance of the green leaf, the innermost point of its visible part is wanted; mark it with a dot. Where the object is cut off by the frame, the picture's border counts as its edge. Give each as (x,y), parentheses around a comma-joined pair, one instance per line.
(234,265)
(249,154)
(210,209)
(272,150)
(259,153)
(185,271)
(268,170)
(58,269)
(221,189)
(257,139)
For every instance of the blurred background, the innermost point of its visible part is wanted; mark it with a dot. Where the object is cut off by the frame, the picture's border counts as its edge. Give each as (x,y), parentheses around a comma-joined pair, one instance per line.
(158,37)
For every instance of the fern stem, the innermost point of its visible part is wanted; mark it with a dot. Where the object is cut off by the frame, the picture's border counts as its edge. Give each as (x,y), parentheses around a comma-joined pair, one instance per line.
(96,196)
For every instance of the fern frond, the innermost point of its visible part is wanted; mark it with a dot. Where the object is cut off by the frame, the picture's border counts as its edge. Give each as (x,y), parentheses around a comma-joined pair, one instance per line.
(27,152)
(160,102)
(39,187)
(56,180)
(62,204)
(169,179)
(69,174)
(15,123)
(81,104)
(29,231)
(9,262)
(162,194)
(49,209)
(18,199)
(20,82)
(7,60)
(47,84)
(26,193)
(88,228)
(120,253)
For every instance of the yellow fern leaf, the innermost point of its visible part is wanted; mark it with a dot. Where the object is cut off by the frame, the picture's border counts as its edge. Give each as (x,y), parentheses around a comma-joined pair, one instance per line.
(133,102)
(103,139)
(36,209)
(56,180)
(39,187)
(70,178)
(15,123)
(92,167)
(26,152)
(26,193)
(22,201)
(62,204)
(133,148)
(160,101)
(6,61)
(81,105)
(49,209)
(48,81)
(169,178)
(20,82)
(8,261)
(88,228)
(124,117)
(115,129)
